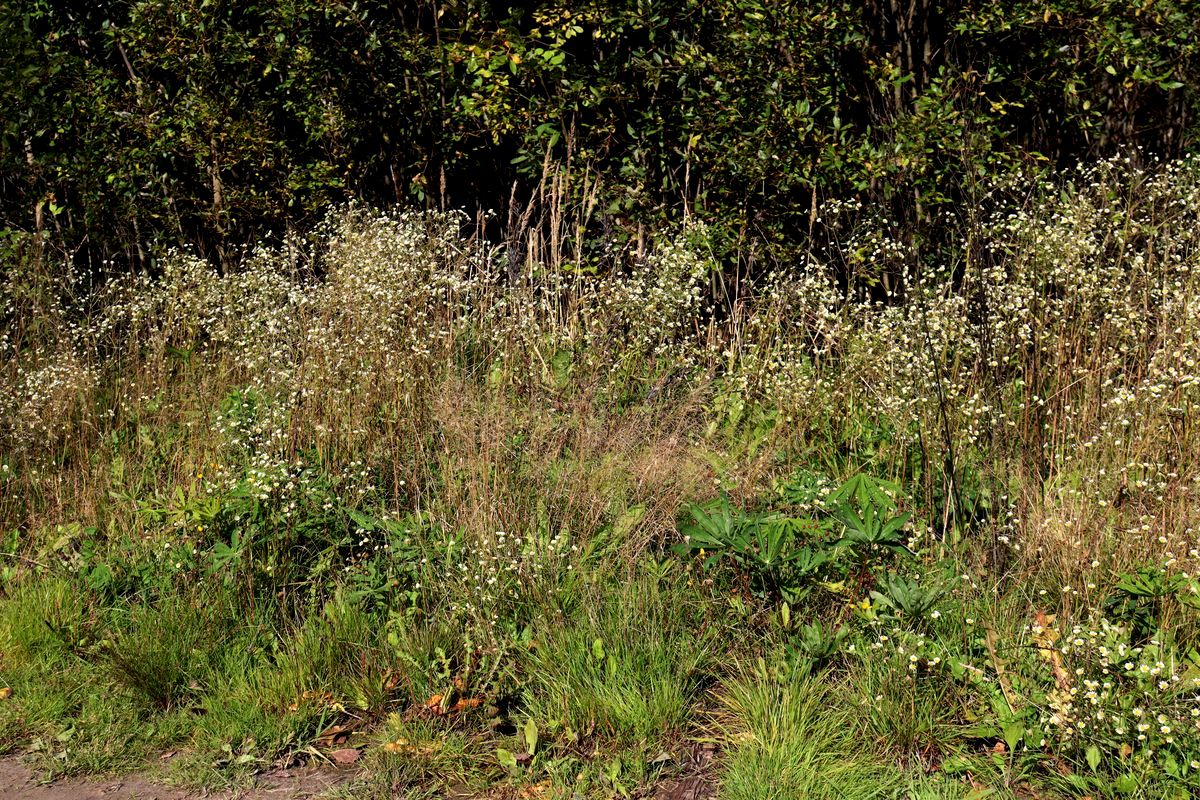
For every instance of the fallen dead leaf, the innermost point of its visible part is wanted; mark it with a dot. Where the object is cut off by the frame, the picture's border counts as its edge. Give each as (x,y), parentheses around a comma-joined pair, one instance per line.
(468,703)
(5,692)
(536,791)
(408,748)
(338,734)
(347,755)
(314,697)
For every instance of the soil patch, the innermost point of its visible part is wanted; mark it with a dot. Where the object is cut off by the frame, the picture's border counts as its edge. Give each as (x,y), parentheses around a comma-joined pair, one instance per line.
(19,782)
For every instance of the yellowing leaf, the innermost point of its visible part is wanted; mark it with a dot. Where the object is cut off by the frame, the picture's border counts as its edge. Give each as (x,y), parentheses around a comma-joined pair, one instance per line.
(1044,638)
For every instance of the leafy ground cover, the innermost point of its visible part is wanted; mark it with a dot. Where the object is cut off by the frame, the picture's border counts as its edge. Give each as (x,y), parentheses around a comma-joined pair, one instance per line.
(377,497)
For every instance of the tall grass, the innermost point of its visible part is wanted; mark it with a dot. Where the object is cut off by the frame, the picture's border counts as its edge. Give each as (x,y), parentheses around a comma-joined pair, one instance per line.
(387,434)
(1054,357)
(791,740)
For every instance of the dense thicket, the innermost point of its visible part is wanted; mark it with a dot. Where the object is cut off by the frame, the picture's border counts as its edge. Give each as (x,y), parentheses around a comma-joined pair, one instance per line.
(212,122)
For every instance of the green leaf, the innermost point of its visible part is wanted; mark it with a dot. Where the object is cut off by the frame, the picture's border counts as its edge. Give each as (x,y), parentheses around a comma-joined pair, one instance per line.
(531,736)
(507,760)
(1126,784)
(100,577)
(1014,731)
(1093,757)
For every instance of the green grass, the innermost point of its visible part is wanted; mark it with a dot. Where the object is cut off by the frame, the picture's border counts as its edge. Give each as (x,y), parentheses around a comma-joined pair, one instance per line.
(906,716)
(629,667)
(796,739)
(164,652)
(606,679)
(422,753)
(66,707)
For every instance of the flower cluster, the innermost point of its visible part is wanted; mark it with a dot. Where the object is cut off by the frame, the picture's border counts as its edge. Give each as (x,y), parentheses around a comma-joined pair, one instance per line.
(1136,700)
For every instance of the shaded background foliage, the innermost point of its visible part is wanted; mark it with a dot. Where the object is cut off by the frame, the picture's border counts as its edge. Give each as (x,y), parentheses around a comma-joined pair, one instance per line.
(131,125)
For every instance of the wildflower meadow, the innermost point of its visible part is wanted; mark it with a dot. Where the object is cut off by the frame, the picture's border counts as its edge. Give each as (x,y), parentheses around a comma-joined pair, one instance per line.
(892,521)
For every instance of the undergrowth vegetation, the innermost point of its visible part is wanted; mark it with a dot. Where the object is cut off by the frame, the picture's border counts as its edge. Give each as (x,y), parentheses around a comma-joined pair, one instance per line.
(377,494)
